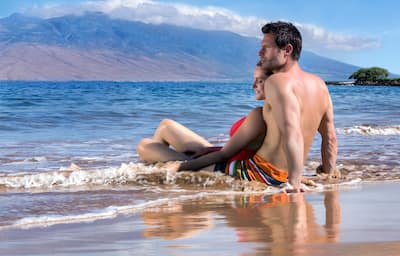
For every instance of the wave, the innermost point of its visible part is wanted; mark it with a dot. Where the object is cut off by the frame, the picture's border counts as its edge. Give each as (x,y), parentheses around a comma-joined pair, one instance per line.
(126,174)
(139,174)
(106,213)
(370,130)
(74,176)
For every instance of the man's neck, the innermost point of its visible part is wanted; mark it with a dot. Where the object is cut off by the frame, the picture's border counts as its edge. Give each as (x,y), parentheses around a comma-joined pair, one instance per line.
(288,66)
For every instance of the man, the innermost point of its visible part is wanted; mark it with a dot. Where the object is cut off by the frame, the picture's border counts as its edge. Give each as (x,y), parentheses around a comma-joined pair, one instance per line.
(297,105)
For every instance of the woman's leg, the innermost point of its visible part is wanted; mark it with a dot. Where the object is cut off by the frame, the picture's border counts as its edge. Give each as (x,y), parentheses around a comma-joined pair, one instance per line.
(152,151)
(181,138)
(170,133)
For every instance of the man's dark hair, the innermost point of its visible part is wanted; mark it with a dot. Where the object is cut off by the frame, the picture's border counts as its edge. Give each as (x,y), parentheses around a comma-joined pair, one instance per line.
(285,33)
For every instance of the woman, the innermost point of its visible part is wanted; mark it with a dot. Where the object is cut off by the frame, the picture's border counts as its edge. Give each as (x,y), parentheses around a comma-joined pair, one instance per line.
(175,142)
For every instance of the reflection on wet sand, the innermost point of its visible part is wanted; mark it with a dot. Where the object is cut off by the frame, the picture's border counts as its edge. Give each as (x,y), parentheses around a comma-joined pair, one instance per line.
(277,224)
(175,221)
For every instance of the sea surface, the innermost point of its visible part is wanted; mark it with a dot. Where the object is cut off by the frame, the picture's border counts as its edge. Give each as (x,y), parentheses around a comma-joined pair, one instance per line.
(67,149)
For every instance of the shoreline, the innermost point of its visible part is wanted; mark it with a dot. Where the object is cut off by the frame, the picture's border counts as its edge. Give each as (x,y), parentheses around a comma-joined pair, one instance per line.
(368,83)
(341,220)
(395,82)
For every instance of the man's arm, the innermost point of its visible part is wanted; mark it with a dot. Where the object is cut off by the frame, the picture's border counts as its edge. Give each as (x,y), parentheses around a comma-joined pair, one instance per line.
(250,129)
(329,142)
(287,113)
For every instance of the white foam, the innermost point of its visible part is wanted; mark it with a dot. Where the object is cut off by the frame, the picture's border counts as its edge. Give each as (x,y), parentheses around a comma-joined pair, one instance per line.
(106,213)
(132,173)
(65,178)
(370,130)
(351,182)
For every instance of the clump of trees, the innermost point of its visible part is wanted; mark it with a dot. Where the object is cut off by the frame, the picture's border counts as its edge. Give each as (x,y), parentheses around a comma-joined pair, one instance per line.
(373,74)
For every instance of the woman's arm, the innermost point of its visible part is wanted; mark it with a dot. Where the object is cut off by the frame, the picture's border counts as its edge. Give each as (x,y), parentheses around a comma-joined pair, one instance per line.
(247,133)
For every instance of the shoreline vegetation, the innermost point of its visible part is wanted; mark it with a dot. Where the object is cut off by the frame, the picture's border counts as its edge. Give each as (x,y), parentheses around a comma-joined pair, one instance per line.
(380,82)
(369,76)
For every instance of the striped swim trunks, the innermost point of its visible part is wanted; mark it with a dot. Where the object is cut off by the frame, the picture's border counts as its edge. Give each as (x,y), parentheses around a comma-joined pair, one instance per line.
(256,168)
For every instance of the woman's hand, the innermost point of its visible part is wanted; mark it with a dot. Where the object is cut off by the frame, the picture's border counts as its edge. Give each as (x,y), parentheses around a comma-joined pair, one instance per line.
(172,166)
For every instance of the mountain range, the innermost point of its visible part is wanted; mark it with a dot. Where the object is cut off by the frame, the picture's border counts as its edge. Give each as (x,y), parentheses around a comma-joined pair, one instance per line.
(96,47)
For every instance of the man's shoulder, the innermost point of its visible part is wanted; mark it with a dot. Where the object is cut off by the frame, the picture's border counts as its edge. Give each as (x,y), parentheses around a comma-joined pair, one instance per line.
(313,77)
(279,86)
(279,79)
(281,82)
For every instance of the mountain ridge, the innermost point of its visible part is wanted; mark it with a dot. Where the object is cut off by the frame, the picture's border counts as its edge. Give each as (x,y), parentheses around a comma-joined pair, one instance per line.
(96,47)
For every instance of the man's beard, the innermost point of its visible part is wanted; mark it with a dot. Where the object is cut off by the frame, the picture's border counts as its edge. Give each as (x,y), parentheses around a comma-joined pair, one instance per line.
(271,65)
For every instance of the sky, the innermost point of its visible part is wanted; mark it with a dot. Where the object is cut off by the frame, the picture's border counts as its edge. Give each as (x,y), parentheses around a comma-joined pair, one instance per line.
(358,32)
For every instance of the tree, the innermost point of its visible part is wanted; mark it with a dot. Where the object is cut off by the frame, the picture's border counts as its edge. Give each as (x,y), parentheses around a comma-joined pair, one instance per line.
(369,74)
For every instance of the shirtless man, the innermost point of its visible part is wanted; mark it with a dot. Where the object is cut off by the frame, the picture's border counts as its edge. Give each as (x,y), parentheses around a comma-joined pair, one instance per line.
(297,105)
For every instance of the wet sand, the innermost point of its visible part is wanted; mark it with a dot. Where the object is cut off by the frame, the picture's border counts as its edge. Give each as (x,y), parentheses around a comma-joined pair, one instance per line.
(360,219)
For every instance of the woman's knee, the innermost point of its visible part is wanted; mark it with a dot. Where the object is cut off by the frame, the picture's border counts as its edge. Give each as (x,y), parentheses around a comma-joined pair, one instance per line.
(165,127)
(141,146)
(166,123)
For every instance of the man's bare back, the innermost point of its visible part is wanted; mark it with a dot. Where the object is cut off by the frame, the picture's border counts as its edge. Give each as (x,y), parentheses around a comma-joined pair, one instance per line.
(313,100)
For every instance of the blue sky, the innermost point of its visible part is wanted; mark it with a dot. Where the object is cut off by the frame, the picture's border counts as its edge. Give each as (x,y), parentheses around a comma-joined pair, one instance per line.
(359,32)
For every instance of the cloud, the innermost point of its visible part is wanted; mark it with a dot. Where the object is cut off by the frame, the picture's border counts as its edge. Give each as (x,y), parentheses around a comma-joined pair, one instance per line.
(317,37)
(209,18)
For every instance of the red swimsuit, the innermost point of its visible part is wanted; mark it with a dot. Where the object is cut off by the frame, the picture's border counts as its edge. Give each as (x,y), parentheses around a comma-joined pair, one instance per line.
(243,154)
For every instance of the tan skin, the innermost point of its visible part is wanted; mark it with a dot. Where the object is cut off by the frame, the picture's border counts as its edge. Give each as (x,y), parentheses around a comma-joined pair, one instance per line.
(175,142)
(298,105)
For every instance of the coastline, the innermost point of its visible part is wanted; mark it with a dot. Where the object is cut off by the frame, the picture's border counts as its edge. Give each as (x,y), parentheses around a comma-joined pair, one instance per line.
(395,82)
(366,83)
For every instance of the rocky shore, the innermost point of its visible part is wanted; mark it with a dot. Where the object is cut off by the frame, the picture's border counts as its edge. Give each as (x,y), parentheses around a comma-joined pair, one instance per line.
(385,82)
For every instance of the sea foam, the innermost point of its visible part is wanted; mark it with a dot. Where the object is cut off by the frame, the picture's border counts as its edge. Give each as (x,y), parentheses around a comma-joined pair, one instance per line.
(77,177)
(371,130)
(106,213)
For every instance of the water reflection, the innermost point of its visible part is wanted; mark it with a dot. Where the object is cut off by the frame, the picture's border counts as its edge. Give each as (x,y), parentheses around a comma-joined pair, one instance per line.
(278,224)
(175,221)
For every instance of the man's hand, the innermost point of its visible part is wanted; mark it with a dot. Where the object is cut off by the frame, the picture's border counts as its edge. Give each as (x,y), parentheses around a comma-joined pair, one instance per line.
(328,175)
(288,188)
(205,151)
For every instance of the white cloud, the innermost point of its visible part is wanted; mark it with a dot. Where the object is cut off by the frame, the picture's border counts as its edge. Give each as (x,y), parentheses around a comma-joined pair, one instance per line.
(317,37)
(210,18)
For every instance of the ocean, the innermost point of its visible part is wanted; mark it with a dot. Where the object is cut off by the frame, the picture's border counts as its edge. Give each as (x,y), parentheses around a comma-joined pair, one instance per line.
(67,149)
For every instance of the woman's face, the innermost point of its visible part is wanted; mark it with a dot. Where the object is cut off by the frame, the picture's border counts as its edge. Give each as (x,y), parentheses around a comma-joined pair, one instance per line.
(258,84)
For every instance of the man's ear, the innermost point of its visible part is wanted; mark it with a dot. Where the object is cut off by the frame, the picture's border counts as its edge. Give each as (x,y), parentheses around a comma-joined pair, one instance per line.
(288,49)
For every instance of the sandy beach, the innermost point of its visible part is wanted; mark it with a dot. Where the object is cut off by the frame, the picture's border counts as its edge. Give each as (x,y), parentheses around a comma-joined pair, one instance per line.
(359,219)
(82,83)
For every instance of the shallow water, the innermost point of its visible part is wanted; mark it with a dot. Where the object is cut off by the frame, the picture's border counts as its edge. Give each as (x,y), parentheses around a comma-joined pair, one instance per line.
(45,127)
(354,220)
